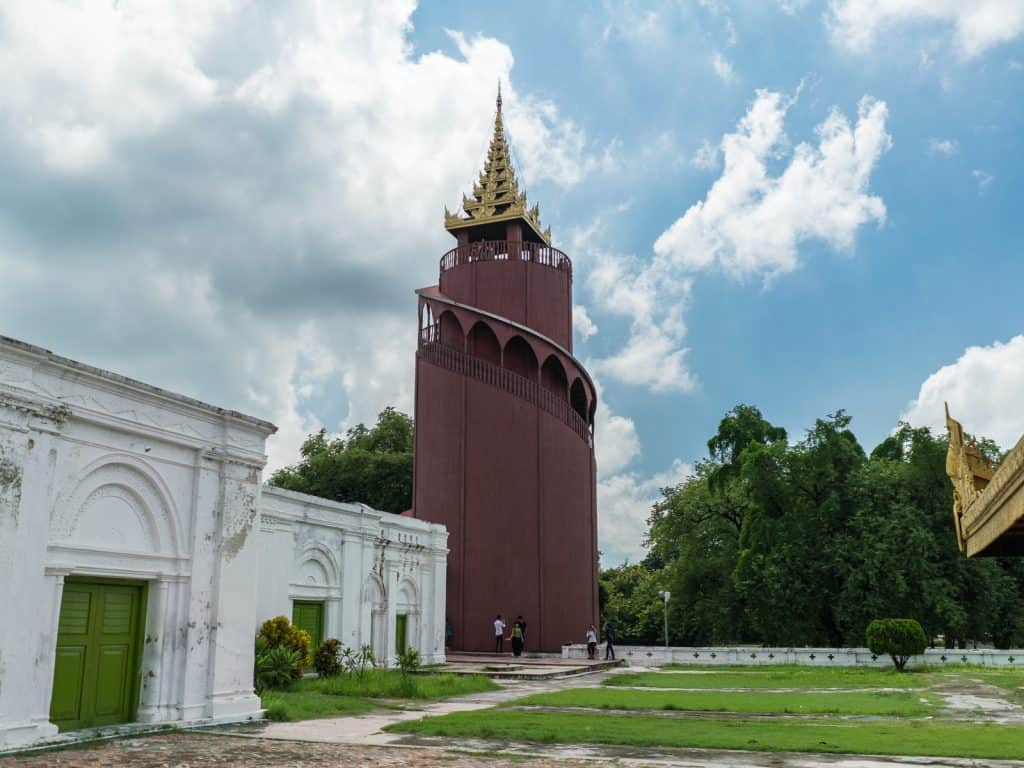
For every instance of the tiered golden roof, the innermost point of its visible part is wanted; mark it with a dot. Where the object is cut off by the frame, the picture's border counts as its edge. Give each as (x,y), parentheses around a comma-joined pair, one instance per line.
(496,195)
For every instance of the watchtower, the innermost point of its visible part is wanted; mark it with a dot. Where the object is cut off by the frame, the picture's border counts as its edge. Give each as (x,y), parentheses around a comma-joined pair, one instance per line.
(504,452)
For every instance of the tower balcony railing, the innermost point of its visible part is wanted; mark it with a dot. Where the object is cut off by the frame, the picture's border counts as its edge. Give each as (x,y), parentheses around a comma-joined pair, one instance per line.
(506,250)
(449,358)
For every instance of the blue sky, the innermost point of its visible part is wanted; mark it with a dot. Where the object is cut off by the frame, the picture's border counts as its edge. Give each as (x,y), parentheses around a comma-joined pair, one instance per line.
(805,206)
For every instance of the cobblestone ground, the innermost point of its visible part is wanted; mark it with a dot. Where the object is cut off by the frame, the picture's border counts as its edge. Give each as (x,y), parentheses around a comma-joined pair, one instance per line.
(202,750)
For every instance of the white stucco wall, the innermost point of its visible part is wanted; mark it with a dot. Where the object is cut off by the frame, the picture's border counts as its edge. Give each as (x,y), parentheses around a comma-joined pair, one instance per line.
(101,476)
(105,477)
(366,566)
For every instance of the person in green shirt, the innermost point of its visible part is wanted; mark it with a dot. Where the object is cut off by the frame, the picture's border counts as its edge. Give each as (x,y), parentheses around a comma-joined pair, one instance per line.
(517,639)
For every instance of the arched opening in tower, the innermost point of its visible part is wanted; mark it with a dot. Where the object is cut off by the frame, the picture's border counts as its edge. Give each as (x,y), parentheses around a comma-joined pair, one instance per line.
(578,398)
(451,332)
(484,344)
(519,358)
(553,378)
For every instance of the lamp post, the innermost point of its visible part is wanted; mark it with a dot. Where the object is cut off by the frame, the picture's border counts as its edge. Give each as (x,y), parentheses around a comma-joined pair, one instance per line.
(665,596)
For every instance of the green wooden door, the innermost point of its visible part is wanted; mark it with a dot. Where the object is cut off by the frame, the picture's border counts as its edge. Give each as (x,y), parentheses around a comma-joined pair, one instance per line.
(401,627)
(309,615)
(96,670)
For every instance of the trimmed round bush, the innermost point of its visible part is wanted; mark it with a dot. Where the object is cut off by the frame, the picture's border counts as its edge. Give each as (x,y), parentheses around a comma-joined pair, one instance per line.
(897,638)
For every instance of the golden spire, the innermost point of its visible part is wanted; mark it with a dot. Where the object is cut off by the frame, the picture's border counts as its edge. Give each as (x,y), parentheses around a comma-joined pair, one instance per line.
(496,195)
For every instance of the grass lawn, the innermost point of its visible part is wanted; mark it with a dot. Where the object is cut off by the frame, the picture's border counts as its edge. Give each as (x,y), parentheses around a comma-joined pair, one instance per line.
(388,684)
(293,705)
(350,695)
(899,737)
(888,703)
(776,677)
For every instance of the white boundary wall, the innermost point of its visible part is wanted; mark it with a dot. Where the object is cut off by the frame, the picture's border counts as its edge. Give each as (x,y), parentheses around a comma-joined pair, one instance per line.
(657,656)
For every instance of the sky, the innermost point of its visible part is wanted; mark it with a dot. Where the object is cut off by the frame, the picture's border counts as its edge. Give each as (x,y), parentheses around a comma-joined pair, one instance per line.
(803,205)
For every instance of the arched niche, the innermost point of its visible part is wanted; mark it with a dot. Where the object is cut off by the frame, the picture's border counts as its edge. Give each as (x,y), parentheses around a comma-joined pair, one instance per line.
(553,378)
(578,398)
(593,410)
(484,344)
(318,567)
(518,357)
(451,332)
(120,503)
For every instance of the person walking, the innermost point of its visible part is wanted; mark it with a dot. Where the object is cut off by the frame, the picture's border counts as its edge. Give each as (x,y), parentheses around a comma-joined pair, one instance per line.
(499,634)
(517,639)
(592,642)
(609,638)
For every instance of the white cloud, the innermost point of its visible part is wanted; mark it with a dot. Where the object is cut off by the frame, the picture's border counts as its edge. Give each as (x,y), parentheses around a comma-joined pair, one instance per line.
(236,200)
(706,156)
(749,223)
(581,322)
(624,504)
(752,223)
(977,24)
(943,146)
(982,388)
(984,179)
(722,67)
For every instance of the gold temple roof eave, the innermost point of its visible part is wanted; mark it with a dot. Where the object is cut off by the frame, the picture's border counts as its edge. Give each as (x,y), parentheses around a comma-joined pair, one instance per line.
(456,222)
(998,507)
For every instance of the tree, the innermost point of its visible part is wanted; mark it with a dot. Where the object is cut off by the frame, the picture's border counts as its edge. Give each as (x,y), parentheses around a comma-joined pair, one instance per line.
(805,544)
(372,466)
(897,638)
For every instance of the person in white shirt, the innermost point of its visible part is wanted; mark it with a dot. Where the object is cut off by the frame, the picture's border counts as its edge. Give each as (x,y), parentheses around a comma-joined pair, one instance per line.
(591,642)
(499,634)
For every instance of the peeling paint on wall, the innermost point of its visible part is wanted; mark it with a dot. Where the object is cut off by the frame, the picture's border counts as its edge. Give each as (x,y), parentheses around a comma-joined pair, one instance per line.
(10,491)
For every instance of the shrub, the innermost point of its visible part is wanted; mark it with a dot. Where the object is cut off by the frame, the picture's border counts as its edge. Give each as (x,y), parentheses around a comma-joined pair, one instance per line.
(275,667)
(327,659)
(897,638)
(408,662)
(279,632)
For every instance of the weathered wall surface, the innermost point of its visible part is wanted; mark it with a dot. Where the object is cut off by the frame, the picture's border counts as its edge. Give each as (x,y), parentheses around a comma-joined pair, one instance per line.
(365,566)
(103,477)
(514,486)
(531,294)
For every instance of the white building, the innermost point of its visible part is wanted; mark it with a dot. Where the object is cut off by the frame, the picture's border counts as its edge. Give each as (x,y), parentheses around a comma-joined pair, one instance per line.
(137,557)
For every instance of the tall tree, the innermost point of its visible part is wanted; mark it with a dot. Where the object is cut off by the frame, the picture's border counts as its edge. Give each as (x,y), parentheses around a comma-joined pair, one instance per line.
(368,465)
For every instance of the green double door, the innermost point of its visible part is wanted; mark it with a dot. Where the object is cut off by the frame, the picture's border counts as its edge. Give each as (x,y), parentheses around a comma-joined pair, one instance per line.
(309,615)
(99,643)
(401,633)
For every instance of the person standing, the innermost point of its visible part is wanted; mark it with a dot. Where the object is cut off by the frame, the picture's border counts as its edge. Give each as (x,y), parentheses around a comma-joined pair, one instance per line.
(609,638)
(592,642)
(522,625)
(517,638)
(499,634)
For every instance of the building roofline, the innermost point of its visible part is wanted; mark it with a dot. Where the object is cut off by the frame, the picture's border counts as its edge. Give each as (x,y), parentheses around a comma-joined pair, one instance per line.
(77,368)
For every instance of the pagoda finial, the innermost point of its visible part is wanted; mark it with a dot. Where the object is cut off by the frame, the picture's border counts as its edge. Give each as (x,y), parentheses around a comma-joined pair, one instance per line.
(496,195)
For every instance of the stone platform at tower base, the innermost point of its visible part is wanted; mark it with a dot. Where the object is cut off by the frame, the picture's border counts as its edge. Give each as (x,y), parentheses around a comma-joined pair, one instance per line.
(529,666)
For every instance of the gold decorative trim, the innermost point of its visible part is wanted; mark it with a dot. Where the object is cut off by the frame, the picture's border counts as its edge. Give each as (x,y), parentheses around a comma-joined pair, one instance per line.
(496,195)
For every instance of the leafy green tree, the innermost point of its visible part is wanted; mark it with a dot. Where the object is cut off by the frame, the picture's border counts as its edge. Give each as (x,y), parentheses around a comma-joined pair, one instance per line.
(807,543)
(368,465)
(633,603)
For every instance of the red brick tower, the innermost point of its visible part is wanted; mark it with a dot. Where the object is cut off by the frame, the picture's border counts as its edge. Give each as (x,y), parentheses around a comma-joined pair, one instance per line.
(505,422)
